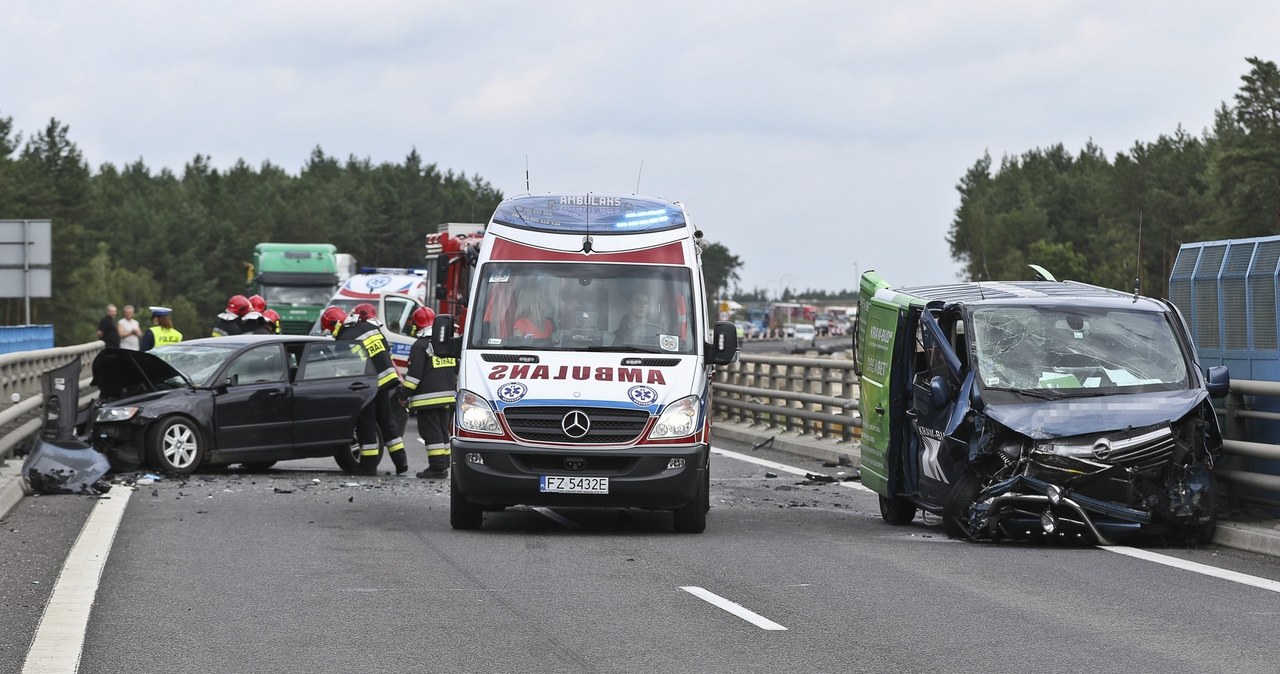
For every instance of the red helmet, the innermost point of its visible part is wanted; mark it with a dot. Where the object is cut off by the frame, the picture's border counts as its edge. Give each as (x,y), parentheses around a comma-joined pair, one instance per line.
(364,310)
(422,318)
(238,305)
(271,316)
(331,317)
(259,305)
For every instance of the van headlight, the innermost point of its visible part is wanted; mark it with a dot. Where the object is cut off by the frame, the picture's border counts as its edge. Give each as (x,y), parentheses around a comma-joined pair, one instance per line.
(679,420)
(475,415)
(109,414)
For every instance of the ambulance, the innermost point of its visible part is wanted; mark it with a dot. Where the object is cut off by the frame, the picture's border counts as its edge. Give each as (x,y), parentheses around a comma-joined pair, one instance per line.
(395,293)
(585,361)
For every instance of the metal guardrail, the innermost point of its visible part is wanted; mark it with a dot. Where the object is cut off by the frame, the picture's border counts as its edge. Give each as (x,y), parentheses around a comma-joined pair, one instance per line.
(20,374)
(817,396)
(1234,414)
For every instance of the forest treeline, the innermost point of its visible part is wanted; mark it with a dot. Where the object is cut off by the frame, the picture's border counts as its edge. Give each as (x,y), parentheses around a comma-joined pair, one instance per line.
(1079,215)
(130,235)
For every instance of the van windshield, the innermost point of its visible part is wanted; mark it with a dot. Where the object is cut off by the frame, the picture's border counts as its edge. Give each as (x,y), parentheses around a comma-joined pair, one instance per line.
(1088,349)
(598,307)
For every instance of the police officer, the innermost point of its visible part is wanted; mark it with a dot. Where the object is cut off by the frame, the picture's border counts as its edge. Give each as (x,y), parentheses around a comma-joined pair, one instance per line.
(361,327)
(161,331)
(231,321)
(430,382)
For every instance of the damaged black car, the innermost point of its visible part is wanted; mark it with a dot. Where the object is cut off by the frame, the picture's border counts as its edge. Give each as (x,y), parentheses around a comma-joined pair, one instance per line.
(1020,410)
(248,399)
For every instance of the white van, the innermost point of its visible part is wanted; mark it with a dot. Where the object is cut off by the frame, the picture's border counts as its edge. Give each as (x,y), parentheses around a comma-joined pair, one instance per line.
(800,338)
(395,293)
(585,361)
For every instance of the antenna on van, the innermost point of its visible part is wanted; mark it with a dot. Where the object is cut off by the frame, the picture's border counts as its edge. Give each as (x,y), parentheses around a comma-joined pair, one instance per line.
(1137,272)
(638,174)
(526,174)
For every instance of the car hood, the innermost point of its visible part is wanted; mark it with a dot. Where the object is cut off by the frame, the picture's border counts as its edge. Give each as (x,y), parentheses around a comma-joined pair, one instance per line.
(1046,419)
(119,370)
(581,378)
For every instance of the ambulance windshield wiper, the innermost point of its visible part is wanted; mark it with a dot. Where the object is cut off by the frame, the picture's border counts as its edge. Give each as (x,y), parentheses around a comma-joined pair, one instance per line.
(619,349)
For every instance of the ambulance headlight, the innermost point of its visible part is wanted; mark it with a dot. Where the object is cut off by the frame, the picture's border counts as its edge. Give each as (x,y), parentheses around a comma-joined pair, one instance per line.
(475,415)
(109,414)
(679,420)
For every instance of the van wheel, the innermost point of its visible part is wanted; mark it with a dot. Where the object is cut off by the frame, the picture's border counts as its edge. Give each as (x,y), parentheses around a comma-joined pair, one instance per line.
(174,446)
(463,514)
(898,510)
(955,512)
(692,519)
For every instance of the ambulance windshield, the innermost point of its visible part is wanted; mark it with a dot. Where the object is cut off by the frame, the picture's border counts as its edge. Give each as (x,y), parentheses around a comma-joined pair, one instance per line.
(599,307)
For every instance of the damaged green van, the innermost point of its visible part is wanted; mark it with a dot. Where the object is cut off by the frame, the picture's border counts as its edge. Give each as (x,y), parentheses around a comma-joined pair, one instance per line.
(1019,410)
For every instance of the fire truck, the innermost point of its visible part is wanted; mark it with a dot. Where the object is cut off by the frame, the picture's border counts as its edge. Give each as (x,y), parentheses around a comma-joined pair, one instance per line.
(451,256)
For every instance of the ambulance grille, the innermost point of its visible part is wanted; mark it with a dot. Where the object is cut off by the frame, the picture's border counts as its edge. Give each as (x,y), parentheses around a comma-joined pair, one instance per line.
(608,425)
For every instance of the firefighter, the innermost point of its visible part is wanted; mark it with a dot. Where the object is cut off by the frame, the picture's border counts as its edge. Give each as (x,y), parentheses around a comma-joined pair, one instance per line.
(273,320)
(430,382)
(361,326)
(331,321)
(255,322)
(231,321)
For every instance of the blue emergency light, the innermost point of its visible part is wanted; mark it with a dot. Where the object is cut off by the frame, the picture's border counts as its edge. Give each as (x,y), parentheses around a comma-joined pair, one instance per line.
(589,213)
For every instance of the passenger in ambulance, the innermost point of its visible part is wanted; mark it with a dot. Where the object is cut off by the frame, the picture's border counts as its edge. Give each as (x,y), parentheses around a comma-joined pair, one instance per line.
(533,315)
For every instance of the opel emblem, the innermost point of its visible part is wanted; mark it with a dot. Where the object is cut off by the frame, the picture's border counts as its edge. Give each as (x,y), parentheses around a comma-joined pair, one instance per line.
(1102,449)
(575,424)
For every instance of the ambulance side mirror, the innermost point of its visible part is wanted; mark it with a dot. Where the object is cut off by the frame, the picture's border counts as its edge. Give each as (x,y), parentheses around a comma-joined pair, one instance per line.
(724,344)
(443,343)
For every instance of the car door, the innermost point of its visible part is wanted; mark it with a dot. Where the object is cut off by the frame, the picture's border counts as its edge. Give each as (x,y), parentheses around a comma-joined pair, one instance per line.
(253,408)
(398,312)
(332,384)
(934,387)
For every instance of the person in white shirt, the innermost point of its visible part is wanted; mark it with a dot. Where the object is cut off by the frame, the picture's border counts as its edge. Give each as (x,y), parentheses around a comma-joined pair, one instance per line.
(130,331)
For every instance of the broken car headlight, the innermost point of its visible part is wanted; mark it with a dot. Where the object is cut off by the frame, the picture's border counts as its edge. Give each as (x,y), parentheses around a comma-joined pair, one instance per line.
(109,414)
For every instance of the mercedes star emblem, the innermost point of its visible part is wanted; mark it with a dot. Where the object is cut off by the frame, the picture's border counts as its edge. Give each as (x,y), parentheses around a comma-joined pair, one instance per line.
(575,424)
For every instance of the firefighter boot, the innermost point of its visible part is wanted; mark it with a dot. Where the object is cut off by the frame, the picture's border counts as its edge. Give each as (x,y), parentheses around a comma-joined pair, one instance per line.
(369,464)
(401,461)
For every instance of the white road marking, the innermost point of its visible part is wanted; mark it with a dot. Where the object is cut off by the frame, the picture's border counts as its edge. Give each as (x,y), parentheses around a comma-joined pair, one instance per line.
(782,467)
(557,517)
(1195,567)
(736,609)
(60,637)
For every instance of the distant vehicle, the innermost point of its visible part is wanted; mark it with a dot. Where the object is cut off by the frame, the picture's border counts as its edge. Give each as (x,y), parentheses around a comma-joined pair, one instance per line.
(295,279)
(800,338)
(248,399)
(395,293)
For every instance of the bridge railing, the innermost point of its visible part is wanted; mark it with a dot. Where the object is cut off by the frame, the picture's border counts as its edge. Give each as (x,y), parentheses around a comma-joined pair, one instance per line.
(817,396)
(1246,458)
(20,376)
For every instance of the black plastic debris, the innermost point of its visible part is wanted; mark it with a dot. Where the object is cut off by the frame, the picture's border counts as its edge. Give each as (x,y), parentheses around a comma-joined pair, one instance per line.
(281,491)
(818,477)
(763,443)
(66,467)
(771,475)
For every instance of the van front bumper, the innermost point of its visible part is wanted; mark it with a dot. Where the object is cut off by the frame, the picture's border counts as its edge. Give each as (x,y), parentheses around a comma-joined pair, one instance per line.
(639,477)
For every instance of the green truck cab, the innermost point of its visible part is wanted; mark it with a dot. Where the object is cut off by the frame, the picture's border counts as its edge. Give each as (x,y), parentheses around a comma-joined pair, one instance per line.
(296,280)
(1025,410)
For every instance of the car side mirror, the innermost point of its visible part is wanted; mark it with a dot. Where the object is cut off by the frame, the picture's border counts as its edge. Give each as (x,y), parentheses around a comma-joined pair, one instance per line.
(443,343)
(939,391)
(1219,383)
(724,343)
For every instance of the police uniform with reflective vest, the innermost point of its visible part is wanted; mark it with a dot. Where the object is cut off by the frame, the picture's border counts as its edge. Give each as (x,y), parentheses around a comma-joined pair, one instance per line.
(377,415)
(158,335)
(431,382)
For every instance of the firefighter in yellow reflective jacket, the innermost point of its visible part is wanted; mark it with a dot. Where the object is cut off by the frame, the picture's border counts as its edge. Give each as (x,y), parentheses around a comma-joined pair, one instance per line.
(361,327)
(430,382)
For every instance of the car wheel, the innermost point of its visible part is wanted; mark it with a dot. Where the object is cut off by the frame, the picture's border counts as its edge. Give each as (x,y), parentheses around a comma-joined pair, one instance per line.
(898,510)
(174,445)
(348,457)
(463,514)
(955,512)
(692,519)
(258,466)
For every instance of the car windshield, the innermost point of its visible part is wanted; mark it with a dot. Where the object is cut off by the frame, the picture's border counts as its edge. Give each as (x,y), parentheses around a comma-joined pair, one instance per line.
(1090,350)
(197,362)
(311,295)
(599,307)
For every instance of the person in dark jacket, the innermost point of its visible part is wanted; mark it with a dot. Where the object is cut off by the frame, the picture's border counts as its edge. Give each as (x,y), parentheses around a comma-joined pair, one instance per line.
(108,330)
(231,321)
(362,328)
(431,381)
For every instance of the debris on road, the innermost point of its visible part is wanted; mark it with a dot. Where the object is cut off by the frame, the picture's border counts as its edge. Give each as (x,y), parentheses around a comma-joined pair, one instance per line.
(66,468)
(771,475)
(763,443)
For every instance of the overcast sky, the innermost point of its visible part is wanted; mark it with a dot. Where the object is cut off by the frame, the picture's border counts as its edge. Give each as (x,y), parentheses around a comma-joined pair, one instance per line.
(813,139)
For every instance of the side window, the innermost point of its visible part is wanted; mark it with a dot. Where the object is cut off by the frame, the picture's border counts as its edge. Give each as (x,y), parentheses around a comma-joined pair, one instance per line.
(398,311)
(331,360)
(260,364)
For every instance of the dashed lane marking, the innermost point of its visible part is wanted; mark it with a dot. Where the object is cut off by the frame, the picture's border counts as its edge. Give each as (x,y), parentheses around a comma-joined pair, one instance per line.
(734,608)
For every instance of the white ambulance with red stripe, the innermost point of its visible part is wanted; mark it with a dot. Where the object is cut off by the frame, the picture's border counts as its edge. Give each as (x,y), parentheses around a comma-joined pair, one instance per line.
(395,293)
(586,357)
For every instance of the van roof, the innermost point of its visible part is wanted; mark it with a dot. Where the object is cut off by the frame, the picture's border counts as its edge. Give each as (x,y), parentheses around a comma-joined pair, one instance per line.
(1005,292)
